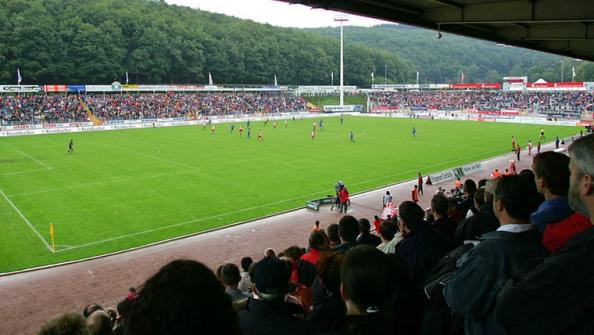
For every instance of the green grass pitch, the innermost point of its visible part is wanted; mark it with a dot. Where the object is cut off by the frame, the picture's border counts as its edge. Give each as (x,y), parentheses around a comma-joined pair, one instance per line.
(127,188)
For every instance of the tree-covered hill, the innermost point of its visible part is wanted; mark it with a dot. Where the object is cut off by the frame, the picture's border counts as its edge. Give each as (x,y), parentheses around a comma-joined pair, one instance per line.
(84,41)
(443,60)
(80,41)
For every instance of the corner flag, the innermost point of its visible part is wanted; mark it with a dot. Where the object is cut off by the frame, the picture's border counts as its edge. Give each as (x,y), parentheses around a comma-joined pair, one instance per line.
(51,228)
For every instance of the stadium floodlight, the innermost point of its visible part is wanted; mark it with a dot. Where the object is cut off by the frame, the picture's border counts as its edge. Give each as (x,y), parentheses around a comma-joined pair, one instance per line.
(342,19)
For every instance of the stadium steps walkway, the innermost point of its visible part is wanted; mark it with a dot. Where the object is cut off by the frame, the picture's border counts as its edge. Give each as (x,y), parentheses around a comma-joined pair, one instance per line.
(90,115)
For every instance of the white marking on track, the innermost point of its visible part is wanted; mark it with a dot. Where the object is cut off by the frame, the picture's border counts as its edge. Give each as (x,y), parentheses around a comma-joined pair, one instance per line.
(26,221)
(35,160)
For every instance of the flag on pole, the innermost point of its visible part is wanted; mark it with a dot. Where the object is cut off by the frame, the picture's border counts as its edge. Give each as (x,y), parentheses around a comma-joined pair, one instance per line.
(372,75)
(19,79)
(126,77)
(332,75)
(210,79)
(417,77)
(275,82)
(51,231)
(462,77)
(573,73)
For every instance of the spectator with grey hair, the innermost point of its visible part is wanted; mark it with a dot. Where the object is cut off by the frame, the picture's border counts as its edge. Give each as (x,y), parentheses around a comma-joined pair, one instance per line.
(556,296)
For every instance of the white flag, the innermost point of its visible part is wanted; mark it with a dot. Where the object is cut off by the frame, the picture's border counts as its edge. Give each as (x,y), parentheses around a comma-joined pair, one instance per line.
(19,79)
(332,75)
(210,79)
(417,77)
(572,73)
(126,77)
(275,82)
(372,75)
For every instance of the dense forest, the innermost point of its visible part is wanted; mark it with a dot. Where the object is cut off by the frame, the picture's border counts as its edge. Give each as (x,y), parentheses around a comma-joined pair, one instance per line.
(90,42)
(443,60)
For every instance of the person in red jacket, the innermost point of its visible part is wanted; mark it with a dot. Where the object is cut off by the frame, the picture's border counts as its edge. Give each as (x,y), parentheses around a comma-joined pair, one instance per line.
(420,184)
(415,194)
(343,195)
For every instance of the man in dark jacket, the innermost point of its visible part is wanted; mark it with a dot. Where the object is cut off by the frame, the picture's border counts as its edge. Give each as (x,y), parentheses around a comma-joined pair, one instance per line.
(422,246)
(348,230)
(269,313)
(482,272)
(557,297)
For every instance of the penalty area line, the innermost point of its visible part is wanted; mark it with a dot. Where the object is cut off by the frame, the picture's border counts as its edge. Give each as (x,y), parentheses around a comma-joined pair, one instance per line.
(26,221)
(35,160)
(185,223)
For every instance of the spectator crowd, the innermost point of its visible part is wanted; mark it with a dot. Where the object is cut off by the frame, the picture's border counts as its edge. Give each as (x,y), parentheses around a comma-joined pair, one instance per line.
(33,109)
(508,255)
(568,104)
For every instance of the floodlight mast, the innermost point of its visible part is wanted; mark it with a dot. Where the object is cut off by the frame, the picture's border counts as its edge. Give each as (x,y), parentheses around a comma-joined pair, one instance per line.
(341,18)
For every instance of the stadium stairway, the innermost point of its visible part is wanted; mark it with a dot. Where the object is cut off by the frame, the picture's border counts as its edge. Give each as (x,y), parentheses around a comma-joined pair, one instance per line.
(90,115)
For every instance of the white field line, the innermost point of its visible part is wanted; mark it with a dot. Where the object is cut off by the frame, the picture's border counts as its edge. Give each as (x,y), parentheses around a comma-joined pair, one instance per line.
(186,222)
(26,221)
(20,172)
(99,183)
(142,154)
(250,208)
(35,160)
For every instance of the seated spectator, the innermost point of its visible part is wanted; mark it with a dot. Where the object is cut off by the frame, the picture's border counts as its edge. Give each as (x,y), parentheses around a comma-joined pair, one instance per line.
(556,297)
(292,254)
(365,236)
(468,203)
(99,323)
(348,230)
(370,289)
(376,224)
(390,235)
(183,297)
(439,209)
(484,222)
(333,236)
(245,284)
(422,246)
(501,254)
(269,252)
(554,217)
(330,308)
(230,278)
(268,313)
(306,268)
(66,324)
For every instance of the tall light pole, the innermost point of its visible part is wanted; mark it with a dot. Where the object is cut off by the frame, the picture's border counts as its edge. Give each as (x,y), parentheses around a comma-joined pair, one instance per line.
(562,71)
(341,18)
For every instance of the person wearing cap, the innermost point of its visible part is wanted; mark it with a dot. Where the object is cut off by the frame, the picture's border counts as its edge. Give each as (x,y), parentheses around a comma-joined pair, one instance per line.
(268,313)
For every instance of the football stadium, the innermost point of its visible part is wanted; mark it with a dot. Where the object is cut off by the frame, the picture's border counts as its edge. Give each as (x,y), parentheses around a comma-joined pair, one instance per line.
(167,170)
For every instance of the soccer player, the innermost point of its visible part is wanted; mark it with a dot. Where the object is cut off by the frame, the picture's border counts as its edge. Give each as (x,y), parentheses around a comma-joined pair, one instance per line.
(240,130)
(321,124)
(557,142)
(315,125)
(260,136)
(542,133)
(249,132)
(70,147)
(352,137)
(232,127)
(513,143)
(414,132)
(341,119)
(274,124)
(204,125)
(265,122)
(529,148)
(287,123)
(313,134)
(212,129)
(248,124)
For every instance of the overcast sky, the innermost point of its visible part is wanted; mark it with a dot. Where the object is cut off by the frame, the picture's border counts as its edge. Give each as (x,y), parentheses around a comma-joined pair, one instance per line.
(275,13)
